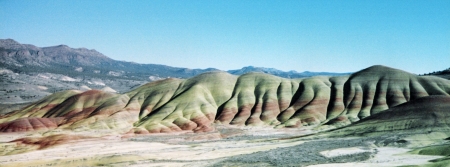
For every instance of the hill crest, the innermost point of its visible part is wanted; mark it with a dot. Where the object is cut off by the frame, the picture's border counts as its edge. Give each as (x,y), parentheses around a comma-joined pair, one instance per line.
(254,99)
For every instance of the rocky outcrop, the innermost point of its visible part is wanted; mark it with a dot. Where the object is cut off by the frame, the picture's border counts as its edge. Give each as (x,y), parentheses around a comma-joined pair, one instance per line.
(253,99)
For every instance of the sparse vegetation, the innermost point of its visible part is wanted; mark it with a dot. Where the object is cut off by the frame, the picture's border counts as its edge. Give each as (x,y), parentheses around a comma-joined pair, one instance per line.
(444,73)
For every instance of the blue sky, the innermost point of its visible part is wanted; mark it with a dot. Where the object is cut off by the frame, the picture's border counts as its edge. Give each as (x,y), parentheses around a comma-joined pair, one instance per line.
(334,36)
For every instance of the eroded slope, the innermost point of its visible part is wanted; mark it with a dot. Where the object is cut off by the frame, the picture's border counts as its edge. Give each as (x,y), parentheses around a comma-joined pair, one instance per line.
(253,99)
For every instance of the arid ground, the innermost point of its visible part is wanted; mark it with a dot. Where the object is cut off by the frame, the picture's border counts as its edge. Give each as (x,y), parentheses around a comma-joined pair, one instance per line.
(378,116)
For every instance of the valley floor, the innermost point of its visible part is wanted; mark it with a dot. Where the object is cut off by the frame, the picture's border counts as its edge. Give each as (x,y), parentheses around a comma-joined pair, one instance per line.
(231,146)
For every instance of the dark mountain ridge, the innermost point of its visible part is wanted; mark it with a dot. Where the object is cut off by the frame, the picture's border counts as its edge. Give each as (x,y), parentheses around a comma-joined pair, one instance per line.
(63,59)
(88,62)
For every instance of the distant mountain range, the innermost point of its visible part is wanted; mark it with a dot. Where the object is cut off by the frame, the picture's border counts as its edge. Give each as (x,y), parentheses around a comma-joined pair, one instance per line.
(284,74)
(73,62)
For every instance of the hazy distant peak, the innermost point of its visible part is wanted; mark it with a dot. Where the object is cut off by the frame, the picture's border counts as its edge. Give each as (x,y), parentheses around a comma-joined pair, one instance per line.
(83,49)
(263,69)
(28,46)
(58,47)
(63,46)
(212,69)
(18,55)
(64,49)
(9,41)
(10,44)
(86,49)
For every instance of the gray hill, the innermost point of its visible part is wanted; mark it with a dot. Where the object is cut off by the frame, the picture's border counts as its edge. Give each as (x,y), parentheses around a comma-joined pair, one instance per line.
(61,59)
(28,72)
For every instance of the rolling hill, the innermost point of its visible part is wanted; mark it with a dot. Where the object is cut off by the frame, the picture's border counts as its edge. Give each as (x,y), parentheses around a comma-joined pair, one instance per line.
(95,115)
(29,73)
(253,99)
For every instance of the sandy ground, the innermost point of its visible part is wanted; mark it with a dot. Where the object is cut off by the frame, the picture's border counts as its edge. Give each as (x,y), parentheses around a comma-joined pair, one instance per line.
(225,147)
(385,156)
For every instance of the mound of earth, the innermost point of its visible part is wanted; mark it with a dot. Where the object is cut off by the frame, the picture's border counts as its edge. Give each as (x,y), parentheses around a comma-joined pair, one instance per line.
(422,114)
(379,116)
(253,99)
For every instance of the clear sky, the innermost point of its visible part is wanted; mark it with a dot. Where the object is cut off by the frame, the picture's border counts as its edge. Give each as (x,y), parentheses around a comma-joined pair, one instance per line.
(333,36)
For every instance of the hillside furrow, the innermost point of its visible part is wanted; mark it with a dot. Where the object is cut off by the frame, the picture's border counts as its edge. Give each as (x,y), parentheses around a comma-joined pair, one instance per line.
(252,99)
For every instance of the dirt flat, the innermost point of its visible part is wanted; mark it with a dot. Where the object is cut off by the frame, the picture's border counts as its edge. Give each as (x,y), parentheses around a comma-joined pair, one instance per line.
(240,149)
